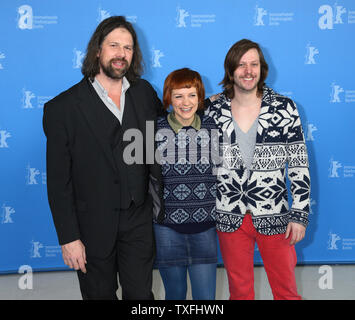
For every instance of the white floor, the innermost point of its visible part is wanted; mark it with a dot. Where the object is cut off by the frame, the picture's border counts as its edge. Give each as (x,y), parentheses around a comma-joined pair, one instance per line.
(336,282)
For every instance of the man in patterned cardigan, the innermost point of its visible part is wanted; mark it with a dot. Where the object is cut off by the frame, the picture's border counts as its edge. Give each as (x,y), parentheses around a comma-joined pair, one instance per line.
(261,140)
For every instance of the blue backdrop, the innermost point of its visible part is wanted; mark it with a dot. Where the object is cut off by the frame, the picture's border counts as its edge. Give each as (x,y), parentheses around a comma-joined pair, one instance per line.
(309,46)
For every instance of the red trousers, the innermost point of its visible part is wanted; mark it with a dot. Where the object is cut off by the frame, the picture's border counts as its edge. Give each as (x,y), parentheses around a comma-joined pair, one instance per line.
(279,258)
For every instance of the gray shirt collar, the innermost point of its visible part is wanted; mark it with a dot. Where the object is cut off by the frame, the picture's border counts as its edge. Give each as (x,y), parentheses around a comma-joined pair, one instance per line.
(103,94)
(98,86)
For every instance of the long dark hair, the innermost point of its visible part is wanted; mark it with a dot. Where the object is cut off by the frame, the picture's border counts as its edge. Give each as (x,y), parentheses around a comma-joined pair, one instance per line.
(91,68)
(231,62)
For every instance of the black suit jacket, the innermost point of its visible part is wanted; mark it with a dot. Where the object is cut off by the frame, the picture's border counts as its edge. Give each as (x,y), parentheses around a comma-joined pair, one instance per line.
(82,177)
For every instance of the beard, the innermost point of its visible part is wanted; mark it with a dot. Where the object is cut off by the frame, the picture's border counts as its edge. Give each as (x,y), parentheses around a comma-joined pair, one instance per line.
(111,72)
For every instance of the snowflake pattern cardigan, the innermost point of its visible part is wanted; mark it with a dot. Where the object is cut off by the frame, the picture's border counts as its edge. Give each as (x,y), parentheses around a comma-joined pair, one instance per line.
(280,148)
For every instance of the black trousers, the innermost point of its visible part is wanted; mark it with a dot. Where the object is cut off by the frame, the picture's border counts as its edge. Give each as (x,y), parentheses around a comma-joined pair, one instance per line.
(132,260)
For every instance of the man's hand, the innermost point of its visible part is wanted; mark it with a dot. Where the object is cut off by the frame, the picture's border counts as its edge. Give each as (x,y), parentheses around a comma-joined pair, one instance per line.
(214,97)
(74,255)
(297,232)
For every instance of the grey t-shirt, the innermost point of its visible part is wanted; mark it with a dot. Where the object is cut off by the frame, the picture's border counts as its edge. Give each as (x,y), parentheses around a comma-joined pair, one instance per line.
(246,142)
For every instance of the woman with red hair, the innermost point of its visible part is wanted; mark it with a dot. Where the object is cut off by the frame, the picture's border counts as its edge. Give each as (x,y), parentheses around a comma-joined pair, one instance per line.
(184,228)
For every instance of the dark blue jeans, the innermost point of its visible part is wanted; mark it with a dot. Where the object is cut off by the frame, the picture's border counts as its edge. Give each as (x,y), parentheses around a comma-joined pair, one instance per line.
(179,254)
(202,277)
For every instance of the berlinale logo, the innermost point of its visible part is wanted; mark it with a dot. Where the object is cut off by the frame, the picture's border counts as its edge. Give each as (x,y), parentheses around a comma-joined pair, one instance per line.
(4,135)
(311,52)
(6,215)
(157,54)
(331,16)
(336,90)
(78,58)
(334,166)
(182,14)
(258,17)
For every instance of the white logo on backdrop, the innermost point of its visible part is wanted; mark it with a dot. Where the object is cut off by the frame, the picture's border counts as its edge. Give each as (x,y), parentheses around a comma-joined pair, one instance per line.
(49,251)
(31,176)
(182,14)
(310,129)
(348,171)
(132,19)
(27,21)
(287,94)
(195,21)
(35,246)
(25,18)
(311,52)
(4,135)
(332,241)
(332,15)
(2,56)
(338,12)
(78,58)
(345,243)
(103,14)
(274,18)
(6,215)
(259,14)
(27,96)
(336,90)
(157,54)
(349,95)
(333,168)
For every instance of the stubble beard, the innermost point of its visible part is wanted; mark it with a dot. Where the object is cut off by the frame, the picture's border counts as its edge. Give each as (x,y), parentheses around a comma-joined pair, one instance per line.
(240,87)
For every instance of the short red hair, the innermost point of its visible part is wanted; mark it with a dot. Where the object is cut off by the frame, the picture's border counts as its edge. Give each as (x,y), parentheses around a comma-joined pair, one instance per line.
(183,78)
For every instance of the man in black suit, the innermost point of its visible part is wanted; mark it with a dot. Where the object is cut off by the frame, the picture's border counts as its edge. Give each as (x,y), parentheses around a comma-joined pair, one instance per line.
(100,204)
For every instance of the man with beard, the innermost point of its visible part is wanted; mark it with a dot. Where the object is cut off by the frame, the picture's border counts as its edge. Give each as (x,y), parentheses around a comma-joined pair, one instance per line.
(261,140)
(100,204)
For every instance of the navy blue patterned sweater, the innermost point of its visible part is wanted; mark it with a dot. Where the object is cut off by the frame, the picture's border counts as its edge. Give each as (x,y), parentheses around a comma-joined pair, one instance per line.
(189,183)
(280,151)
